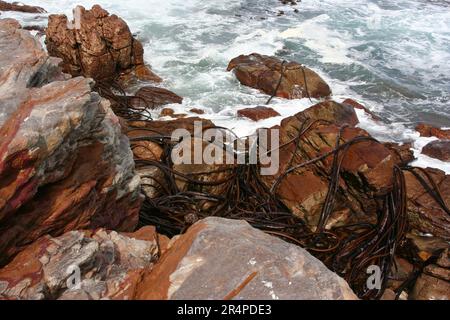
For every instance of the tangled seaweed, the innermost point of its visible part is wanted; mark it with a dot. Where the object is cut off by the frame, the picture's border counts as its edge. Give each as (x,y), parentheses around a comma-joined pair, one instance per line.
(347,250)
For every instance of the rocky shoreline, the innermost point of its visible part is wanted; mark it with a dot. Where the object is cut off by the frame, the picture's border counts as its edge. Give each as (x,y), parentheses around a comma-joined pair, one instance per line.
(87,184)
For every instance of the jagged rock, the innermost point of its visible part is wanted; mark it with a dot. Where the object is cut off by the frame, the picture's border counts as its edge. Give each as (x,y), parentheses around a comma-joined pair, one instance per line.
(16,6)
(264,73)
(197,111)
(358,105)
(366,171)
(101,46)
(153,97)
(430,131)
(428,287)
(439,149)
(109,265)
(64,163)
(228,259)
(257,113)
(424,213)
(403,153)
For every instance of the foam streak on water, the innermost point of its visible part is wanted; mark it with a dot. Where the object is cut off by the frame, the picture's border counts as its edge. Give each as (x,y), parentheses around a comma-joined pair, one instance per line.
(392,56)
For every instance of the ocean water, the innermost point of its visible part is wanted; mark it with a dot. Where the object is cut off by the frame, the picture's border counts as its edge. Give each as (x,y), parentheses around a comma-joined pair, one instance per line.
(392,56)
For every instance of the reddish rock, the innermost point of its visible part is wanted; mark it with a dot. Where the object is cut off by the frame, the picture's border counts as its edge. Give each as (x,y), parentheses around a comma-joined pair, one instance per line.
(264,73)
(153,97)
(258,113)
(110,266)
(224,259)
(197,111)
(439,149)
(103,48)
(431,288)
(357,105)
(166,112)
(64,162)
(430,131)
(403,153)
(366,171)
(16,6)
(424,212)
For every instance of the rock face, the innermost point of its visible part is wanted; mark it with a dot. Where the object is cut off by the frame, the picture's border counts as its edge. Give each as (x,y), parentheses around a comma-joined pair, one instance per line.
(439,149)
(108,264)
(98,45)
(434,282)
(16,6)
(424,212)
(228,259)
(64,163)
(153,97)
(429,131)
(366,170)
(264,73)
(257,113)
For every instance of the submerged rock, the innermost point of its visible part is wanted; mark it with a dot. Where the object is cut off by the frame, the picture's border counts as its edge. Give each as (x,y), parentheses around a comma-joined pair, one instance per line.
(99,45)
(264,73)
(228,259)
(64,162)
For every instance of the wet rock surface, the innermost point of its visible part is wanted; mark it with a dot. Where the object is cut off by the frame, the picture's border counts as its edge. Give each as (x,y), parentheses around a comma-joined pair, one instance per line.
(257,113)
(17,6)
(439,149)
(270,75)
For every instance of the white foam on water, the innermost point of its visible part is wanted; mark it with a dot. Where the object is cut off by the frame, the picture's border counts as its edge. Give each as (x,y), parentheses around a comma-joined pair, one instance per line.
(400,51)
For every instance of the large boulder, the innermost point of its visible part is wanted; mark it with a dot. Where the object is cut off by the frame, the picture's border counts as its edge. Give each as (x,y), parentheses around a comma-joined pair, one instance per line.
(64,162)
(228,259)
(264,73)
(98,45)
(366,170)
(439,149)
(81,265)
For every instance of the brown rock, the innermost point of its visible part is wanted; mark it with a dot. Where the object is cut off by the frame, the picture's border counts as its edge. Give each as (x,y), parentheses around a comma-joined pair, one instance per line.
(154,97)
(403,153)
(357,105)
(110,266)
(64,163)
(16,6)
(102,48)
(439,149)
(430,131)
(430,288)
(366,171)
(197,111)
(424,213)
(264,73)
(166,112)
(257,113)
(228,259)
